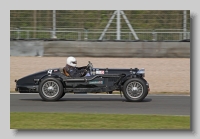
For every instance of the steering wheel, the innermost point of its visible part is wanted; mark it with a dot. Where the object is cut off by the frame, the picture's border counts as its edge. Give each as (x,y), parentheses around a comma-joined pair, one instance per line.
(89,67)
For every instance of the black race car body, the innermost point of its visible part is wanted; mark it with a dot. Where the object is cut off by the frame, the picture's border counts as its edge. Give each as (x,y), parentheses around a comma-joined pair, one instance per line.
(52,84)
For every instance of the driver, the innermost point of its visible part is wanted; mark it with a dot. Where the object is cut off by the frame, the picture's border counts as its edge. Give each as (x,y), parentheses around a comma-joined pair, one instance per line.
(71,68)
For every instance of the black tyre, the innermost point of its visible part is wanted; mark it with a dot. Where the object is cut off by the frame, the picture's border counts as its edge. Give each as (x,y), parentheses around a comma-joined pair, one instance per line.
(110,92)
(135,90)
(50,89)
(62,95)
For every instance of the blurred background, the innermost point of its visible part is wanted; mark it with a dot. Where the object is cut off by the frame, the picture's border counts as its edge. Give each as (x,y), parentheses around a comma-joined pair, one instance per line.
(157,40)
(100,25)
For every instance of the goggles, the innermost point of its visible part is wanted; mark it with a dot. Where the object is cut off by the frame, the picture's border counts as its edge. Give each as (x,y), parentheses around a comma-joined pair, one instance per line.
(74,62)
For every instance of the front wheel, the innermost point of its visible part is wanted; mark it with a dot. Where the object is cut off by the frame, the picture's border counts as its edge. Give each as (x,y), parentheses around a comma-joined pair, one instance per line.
(110,92)
(50,89)
(62,95)
(135,90)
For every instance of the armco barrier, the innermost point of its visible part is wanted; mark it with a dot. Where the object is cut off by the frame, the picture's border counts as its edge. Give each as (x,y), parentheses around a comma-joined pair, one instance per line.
(117,49)
(26,48)
(101,49)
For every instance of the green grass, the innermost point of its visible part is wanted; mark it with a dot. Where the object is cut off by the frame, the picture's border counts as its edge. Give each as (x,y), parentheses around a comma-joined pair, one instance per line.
(20,120)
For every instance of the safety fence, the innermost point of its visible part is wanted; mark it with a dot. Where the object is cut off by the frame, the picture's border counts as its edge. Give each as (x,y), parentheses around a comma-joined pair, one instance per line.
(150,25)
(149,35)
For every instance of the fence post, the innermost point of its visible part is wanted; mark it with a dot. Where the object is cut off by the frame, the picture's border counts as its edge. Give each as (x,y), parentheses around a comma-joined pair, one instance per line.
(154,34)
(184,23)
(54,24)
(118,25)
(86,36)
(35,22)
(18,33)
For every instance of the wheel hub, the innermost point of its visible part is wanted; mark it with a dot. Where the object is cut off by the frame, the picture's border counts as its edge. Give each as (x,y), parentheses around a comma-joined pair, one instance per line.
(50,88)
(135,89)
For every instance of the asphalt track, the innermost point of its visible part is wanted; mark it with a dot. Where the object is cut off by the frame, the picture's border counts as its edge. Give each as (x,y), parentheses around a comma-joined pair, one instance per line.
(95,103)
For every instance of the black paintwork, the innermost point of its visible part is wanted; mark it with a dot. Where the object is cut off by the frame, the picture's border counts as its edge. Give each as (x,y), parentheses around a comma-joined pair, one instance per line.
(111,80)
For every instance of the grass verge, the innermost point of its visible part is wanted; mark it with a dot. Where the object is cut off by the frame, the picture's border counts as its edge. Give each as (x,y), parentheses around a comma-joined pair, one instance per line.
(22,120)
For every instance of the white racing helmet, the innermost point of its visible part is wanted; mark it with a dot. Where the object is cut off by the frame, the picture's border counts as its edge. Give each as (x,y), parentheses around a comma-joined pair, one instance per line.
(71,61)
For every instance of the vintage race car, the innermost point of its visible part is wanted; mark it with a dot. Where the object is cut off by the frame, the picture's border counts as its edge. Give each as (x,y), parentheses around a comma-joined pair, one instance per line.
(52,84)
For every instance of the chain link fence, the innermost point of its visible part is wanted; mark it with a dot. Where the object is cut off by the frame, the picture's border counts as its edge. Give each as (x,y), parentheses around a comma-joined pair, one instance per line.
(150,25)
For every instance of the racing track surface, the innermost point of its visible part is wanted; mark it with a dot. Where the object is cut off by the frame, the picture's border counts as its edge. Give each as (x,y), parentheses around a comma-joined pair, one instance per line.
(95,103)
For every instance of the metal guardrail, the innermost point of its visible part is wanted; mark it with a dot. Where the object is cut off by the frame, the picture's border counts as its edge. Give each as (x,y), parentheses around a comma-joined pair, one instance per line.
(150,35)
(96,30)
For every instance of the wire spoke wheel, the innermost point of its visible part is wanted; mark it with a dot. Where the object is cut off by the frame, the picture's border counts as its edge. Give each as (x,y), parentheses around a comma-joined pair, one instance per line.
(134,89)
(50,89)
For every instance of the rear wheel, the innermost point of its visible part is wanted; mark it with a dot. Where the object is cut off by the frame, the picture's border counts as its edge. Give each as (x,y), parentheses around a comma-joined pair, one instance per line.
(51,89)
(135,90)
